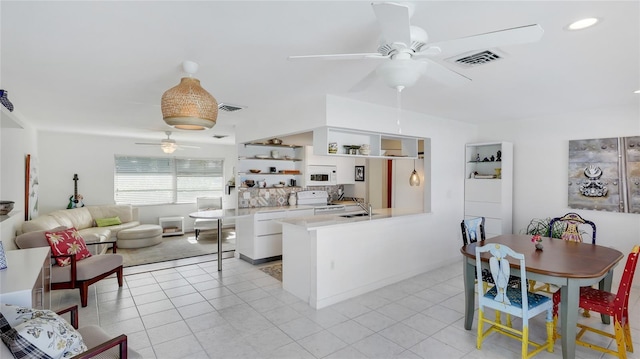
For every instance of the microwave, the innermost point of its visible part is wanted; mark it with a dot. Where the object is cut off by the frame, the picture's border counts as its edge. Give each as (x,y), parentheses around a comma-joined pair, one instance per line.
(321,176)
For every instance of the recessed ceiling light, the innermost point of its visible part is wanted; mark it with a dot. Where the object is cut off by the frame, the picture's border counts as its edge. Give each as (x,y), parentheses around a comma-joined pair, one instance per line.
(583,24)
(636,91)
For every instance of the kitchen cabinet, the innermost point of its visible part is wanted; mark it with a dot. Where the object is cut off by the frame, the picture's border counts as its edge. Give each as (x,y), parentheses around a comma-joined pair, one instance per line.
(27,279)
(275,163)
(404,146)
(488,189)
(259,237)
(345,165)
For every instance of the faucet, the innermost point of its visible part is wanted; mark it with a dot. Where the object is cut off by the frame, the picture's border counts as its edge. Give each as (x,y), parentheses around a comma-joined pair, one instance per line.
(367,209)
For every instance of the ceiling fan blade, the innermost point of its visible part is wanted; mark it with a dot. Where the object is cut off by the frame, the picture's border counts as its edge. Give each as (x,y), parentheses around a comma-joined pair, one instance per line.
(372,55)
(394,22)
(365,82)
(514,36)
(186,146)
(148,144)
(445,75)
(427,52)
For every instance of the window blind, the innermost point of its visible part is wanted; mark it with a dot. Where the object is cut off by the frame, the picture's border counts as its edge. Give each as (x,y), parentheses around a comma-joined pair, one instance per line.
(161,180)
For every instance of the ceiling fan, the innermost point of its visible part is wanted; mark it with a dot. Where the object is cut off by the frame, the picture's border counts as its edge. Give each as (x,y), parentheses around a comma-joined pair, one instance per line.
(167,145)
(408,55)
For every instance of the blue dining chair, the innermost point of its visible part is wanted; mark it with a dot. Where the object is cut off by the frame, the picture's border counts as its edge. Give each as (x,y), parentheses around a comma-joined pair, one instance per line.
(513,301)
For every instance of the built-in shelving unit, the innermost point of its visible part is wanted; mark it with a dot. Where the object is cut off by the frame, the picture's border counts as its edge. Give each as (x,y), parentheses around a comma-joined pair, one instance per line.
(405,146)
(276,163)
(488,190)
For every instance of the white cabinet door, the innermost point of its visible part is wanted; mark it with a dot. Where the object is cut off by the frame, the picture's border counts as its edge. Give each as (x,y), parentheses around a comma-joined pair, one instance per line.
(346,170)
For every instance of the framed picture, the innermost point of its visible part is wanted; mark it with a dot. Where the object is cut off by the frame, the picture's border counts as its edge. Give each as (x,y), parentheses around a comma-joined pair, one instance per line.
(359,173)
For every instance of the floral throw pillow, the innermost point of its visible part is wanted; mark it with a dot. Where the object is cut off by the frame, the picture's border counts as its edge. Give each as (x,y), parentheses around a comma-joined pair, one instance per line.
(31,333)
(66,242)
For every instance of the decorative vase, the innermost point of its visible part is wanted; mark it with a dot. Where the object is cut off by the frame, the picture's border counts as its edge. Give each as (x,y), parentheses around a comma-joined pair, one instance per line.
(539,246)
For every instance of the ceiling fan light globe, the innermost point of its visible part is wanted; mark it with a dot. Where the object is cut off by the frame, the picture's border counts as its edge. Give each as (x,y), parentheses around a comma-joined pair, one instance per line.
(401,72)
(168,147)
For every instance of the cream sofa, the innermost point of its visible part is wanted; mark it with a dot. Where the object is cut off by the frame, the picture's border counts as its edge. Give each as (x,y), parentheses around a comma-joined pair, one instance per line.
(84,220)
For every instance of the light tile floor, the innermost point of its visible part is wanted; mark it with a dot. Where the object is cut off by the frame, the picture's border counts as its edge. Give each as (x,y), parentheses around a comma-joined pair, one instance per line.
(187,309)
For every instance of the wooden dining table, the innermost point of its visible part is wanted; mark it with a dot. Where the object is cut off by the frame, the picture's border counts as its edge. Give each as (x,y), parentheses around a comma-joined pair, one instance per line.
(568,265)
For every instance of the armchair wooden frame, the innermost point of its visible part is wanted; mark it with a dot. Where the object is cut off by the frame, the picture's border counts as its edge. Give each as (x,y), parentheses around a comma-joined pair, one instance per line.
(120,340)
(83,285)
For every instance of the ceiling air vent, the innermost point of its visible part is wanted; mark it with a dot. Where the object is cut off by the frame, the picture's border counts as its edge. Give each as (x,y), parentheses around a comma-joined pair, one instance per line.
(476,59)
(229,107)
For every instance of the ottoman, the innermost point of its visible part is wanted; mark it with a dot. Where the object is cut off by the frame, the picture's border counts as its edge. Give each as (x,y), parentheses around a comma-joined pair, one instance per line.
(144,235)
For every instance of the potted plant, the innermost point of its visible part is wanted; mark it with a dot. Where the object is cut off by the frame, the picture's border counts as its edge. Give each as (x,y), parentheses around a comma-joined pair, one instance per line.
(540,226)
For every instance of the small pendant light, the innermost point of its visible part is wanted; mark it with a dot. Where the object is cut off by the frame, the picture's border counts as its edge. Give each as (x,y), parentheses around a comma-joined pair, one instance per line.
(414,179)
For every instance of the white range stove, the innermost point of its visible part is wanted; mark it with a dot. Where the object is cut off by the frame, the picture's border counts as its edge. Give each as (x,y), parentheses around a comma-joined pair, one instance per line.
(320,201)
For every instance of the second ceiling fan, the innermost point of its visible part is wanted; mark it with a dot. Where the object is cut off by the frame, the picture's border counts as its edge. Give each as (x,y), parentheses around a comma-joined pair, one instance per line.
(408,54)
(168,145)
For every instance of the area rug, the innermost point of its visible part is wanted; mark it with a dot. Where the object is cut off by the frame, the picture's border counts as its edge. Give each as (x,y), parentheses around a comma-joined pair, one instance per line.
(274,270)
(177,247)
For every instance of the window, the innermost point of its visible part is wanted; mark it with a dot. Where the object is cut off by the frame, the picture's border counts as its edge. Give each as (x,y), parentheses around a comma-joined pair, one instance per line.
(161,180)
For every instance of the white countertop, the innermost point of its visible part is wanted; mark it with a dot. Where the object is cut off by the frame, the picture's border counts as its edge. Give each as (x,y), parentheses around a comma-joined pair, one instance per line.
(243,212)
(318,221)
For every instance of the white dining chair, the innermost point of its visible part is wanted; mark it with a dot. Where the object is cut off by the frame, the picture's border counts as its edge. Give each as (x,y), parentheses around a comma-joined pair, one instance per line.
(514,301)
(205,204)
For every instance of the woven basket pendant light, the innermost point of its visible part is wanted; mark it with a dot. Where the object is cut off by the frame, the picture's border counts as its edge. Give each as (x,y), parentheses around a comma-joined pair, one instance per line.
(188,106)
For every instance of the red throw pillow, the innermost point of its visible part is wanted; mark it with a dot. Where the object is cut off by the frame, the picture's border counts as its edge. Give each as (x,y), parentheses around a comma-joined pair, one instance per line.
(67,241)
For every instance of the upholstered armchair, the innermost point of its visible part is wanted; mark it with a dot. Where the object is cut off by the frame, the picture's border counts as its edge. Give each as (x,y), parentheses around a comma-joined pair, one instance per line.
(18,329)
(80,273)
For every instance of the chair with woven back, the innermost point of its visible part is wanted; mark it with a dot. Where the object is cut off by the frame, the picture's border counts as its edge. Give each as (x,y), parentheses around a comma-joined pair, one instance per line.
(612,304)
(567,228)
(511,300)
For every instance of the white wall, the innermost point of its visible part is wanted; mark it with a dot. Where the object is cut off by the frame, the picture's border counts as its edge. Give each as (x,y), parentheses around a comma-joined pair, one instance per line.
(296,118)
(17,139)
(92,158)
(541,156)
(445,163)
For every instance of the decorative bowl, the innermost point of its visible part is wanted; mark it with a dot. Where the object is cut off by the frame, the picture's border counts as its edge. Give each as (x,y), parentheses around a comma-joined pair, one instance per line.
(275,141)
(255,171)
(250,183)
(262,157)
(6,207)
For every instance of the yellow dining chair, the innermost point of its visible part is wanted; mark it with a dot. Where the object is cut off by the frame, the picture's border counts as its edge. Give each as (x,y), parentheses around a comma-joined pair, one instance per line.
(513,301)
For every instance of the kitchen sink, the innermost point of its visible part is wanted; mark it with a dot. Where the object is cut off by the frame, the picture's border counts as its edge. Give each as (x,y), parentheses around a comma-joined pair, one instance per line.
(355,215)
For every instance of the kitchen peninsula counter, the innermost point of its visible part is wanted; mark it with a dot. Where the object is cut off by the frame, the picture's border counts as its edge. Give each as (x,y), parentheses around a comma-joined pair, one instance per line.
(327,259)
(314,222)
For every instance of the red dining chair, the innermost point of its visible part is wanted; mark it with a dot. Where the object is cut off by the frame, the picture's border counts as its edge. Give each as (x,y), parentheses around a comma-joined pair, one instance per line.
(612,304)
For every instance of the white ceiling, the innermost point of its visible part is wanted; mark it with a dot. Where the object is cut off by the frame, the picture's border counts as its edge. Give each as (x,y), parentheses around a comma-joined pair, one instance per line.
(101,67)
